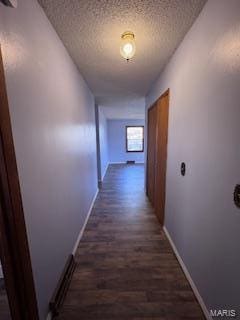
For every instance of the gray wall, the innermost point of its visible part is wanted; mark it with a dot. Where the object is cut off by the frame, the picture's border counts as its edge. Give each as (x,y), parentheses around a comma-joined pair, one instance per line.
(204,78)
(103,142)
(52,113)
(117,141)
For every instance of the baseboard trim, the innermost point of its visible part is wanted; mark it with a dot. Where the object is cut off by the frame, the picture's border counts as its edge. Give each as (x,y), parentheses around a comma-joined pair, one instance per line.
(125,162)
(117,162)
(64,281)
(188,276)
(105,171)
(84,225)
(62,287)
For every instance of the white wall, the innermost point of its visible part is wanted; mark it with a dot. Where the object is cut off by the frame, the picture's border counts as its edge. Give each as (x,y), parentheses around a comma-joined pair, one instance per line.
(103,141)
(204,130)
(117,141)
(52,114)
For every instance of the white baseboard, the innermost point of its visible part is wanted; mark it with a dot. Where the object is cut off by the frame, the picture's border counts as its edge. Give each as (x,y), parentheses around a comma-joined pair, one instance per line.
(188,276)
(49,316)
(117,162)
(124,162)
(105,171)
(84,225)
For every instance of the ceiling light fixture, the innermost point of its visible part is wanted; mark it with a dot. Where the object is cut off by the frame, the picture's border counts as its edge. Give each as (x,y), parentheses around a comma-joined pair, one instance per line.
(128,46)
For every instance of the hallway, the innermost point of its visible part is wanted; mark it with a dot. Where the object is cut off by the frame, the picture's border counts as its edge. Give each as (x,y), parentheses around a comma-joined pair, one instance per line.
(126,268)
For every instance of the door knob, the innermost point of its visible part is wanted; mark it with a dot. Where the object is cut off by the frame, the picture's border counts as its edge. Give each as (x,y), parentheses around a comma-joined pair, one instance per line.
(183,168)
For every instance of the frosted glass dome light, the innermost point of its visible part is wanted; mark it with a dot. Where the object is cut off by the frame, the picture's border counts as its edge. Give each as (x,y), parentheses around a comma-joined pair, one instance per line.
(128,46)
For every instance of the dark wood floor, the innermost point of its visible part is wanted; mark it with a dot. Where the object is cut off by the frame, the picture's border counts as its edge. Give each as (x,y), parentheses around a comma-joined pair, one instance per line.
(4,308)
(126,268)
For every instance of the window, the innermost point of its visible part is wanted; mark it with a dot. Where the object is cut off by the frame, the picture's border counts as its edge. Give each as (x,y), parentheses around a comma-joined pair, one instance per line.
(135,139)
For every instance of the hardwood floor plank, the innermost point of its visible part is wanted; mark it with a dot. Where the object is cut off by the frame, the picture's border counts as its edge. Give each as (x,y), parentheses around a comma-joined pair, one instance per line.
(126,268)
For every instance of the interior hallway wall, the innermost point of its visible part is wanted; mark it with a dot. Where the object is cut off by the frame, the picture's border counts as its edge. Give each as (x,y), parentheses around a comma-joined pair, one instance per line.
(103,142)
(204,77)
(53,121)
(117,141)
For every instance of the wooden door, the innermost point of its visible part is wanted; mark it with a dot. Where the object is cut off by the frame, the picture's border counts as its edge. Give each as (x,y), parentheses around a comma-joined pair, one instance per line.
(151,152)
(161,156)
(157,154)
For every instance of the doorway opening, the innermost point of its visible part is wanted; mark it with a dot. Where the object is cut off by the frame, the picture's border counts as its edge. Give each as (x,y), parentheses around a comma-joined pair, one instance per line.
(120,137)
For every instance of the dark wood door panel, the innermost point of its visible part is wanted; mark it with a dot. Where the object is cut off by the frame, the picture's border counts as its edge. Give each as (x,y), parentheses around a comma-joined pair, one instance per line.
(161,156)
(152,121)
(157,154)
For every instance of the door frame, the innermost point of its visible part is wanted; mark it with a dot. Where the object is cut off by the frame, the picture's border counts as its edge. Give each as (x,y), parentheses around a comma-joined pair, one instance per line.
(155,104)
(14,250)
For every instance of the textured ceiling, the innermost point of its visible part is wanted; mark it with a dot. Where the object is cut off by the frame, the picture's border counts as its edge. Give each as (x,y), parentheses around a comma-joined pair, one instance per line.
(91,30)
